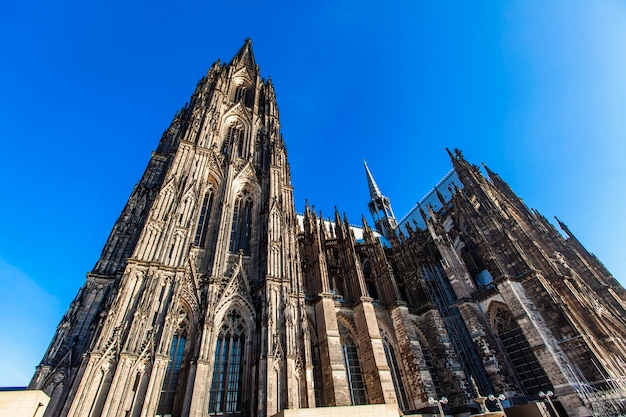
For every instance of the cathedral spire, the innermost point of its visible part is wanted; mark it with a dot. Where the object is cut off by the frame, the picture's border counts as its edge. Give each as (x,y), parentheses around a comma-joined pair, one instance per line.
(373,187)
(380,207)
(245,57)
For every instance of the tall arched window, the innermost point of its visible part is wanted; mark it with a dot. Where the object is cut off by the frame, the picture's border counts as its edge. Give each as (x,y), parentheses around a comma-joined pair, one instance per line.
(240,93)
(172,374)
(396,376)
(242,225)
(203,220)
(356,383)
(240,146)
(234,136)
(528,369)
(226,386)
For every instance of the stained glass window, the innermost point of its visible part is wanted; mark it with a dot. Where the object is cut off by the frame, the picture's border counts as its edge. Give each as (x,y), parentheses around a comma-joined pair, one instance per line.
(234,135)
(168,391)
(396,376)
(358,394)
(203,220)
(226,386)
(241,226)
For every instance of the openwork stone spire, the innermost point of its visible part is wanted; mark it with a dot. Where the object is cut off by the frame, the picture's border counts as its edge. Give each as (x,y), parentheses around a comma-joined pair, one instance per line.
(380,207)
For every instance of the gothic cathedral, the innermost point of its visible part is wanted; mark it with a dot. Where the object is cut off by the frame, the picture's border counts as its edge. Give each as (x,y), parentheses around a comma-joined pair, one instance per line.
(212,297)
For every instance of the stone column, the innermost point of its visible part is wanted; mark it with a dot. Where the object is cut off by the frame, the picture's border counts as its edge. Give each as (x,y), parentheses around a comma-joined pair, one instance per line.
(380,388)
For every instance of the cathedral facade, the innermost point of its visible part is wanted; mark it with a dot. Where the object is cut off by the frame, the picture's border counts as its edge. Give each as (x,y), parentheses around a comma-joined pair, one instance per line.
(213,297)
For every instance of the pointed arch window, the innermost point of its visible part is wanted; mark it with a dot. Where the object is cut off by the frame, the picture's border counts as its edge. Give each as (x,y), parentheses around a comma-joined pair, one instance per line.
(356,383)
(240,93)
(233,140)
(203,220)
(227,383)
(258,147)
(396,376)
(242,225)
(174,366)
(528,369)
(265,163)
(240,147)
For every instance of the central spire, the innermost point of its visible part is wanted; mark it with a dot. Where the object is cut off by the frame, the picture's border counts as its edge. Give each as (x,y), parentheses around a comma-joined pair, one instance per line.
(380,207)
(374,190)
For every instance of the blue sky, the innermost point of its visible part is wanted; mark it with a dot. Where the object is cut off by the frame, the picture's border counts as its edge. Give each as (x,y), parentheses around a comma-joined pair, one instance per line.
(535,89)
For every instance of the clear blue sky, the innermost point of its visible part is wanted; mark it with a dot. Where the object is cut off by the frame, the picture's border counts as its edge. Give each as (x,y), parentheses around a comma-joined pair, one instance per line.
(535,89)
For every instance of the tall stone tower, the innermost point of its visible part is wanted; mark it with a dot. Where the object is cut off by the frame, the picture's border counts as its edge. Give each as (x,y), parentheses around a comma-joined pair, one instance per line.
(212,298)
(196,303)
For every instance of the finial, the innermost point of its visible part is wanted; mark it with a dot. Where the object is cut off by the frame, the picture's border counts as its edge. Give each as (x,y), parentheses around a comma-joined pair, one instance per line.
(442,200)
(492,175)
(422,212)
(338,223)
(248,40)
(563,226)
(431,212)
(366,226)
(322,225)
